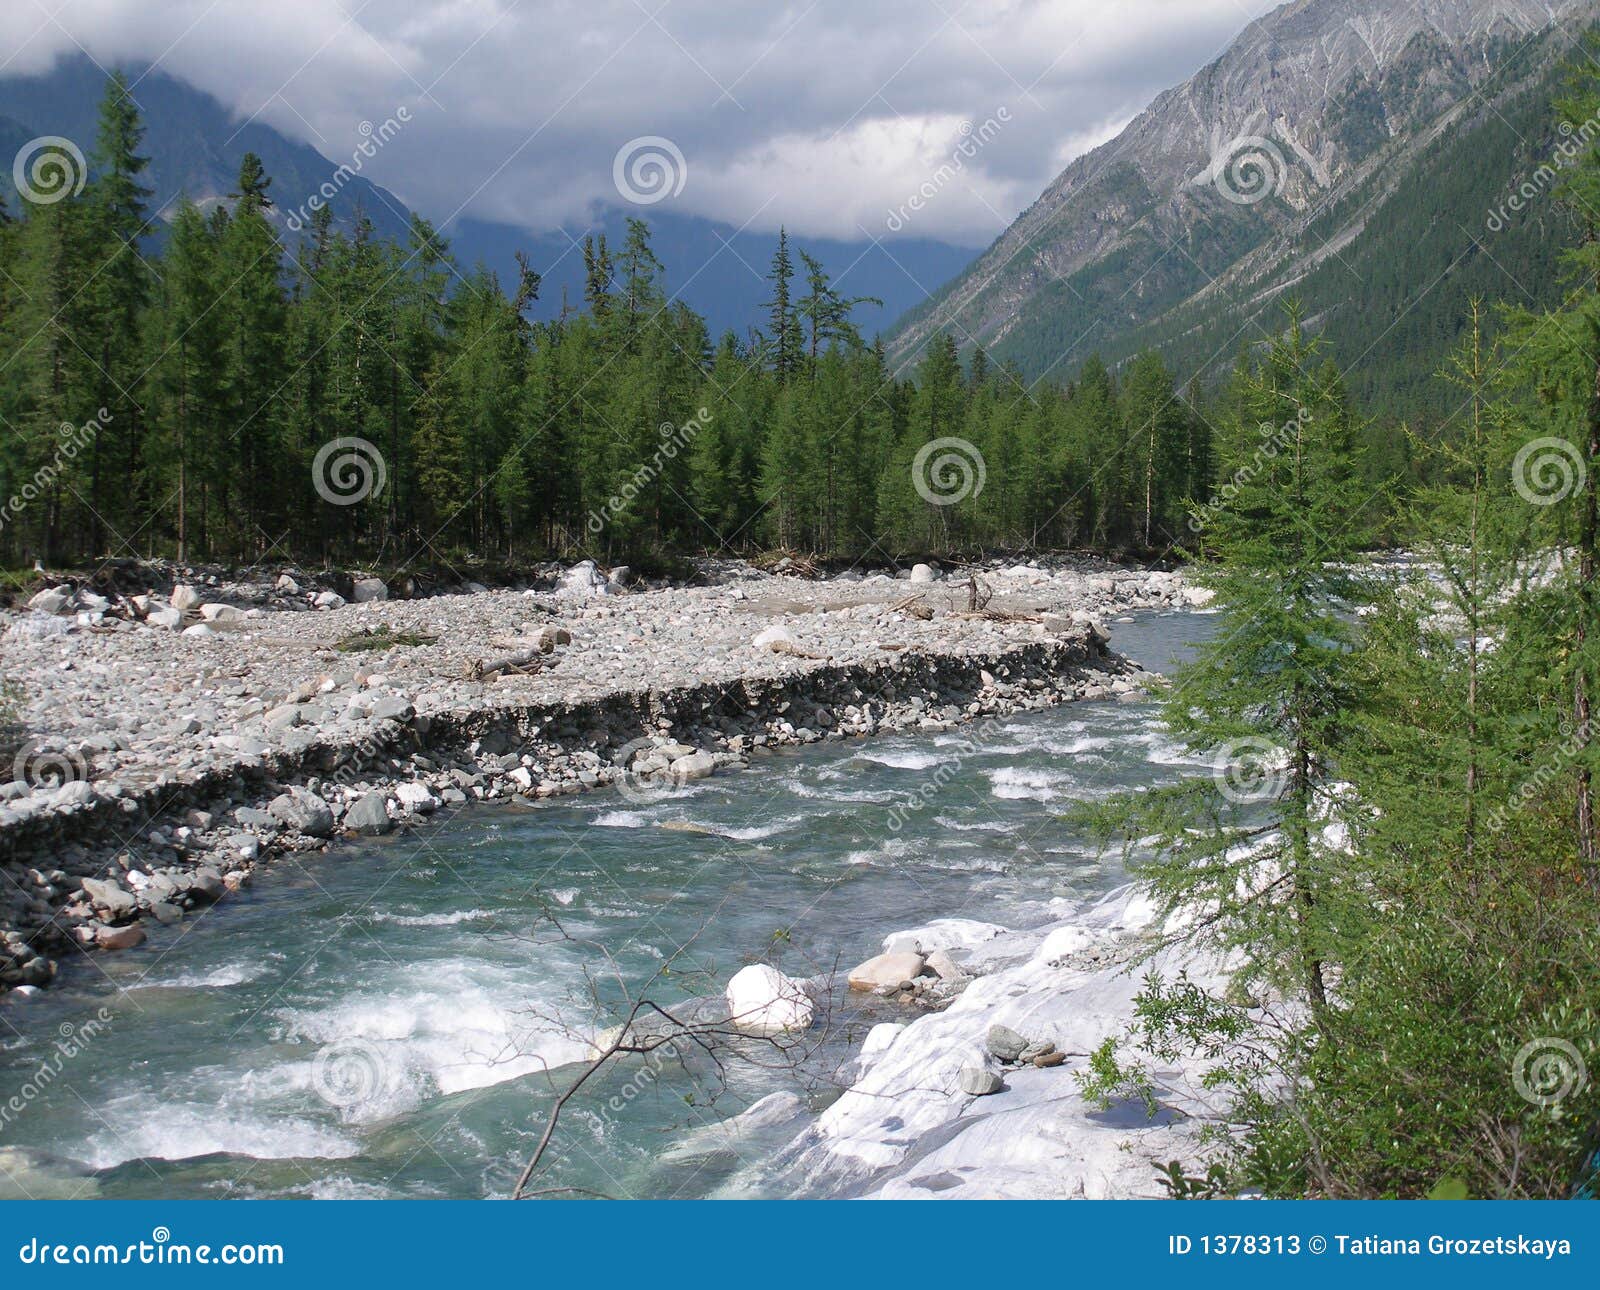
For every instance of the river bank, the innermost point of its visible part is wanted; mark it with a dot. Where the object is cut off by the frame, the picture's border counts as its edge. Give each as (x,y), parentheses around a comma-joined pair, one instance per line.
(165,761)
(423,969)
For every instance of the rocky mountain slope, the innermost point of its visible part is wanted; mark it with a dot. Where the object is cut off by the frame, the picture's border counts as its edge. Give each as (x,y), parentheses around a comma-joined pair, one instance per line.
(1348,150)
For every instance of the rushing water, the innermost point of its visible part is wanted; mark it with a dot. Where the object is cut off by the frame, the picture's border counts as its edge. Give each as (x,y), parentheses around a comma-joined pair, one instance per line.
(382,1020)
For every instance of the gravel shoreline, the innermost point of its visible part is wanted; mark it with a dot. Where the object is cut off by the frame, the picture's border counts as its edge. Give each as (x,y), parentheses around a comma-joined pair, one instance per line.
(164,759)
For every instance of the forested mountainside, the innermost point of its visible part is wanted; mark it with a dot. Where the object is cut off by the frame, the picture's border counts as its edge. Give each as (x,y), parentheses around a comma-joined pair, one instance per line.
(1345,151)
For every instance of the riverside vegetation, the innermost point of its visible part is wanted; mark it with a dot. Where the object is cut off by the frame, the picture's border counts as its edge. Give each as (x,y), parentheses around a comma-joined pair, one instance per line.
(1399,856)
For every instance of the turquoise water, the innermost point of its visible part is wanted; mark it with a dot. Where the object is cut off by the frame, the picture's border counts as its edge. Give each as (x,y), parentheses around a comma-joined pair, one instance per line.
(394,1019)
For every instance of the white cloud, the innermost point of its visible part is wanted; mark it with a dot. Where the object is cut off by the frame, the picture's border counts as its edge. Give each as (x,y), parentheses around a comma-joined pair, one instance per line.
(826,115)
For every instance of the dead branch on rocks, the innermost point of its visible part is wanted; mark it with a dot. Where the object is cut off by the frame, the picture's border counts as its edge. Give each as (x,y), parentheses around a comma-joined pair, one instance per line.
(979,594)
(525,662)
(913,607)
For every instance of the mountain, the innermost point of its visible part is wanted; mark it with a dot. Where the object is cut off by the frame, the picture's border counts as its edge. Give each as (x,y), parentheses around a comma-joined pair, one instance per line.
(195,145)
(1357,154)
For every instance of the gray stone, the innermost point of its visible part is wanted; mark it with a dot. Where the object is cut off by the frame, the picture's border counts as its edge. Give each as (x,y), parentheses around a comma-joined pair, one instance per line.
(303,812)
(977,1082)
(369,815)
(105,894)
(367,589)
(1005,1043)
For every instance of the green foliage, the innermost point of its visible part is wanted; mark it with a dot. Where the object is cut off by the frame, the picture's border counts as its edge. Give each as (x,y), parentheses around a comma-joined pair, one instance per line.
(231,365)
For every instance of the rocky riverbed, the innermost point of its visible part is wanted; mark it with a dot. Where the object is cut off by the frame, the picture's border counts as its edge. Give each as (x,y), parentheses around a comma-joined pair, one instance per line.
(173,740)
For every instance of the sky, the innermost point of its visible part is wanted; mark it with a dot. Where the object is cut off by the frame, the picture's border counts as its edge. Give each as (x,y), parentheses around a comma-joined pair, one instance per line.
(836,118)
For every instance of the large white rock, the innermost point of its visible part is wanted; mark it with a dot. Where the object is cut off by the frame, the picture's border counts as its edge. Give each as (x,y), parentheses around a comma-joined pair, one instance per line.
(763,1001)
(218,613)
(52,600)
(168,617)
(942,934)
(776,638)
(184,598)
(1196,597)
(924,573)
(583,581)
(366,589)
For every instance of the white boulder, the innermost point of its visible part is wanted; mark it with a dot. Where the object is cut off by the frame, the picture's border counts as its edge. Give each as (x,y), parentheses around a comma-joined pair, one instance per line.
(184,598)
(583,581)
(367,589)
(763,1001)
(776,638)
(924,573)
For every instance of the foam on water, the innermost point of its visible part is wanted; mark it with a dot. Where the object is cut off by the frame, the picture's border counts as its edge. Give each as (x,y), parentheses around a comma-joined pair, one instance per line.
(904,758)
(131,1128)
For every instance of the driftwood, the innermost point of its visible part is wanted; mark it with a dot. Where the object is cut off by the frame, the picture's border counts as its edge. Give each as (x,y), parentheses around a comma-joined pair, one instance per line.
(979,594)
(524,662)
(913,607)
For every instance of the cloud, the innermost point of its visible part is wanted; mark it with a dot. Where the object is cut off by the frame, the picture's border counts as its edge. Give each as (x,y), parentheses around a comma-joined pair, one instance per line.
(828,115)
